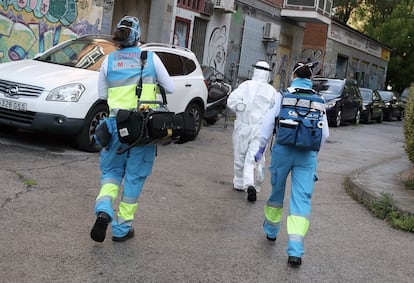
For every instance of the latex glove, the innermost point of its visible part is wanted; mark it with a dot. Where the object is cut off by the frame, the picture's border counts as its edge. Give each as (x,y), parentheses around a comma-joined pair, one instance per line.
(259,154)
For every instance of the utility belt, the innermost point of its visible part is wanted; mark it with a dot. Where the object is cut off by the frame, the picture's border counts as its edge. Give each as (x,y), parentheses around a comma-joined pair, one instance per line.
(149,126)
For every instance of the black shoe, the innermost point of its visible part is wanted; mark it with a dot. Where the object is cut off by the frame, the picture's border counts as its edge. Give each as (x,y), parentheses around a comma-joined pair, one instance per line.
(270,239)
(129,235)
(251,194)
(98,231)
(294,261)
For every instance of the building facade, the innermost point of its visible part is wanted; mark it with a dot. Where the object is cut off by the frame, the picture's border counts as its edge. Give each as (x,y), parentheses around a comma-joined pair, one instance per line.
(230,35)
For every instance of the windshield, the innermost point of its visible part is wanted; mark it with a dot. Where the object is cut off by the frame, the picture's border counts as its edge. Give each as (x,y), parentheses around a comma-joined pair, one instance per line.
(366,94)
(79,53)
(328,88)
(386,95)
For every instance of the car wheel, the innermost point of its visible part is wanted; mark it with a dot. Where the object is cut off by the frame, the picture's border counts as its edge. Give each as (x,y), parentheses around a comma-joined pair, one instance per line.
(369,117)
(389,116)
(357,118)
(85,140)
(195,109)
(211,121)
(338,119)
(380,118)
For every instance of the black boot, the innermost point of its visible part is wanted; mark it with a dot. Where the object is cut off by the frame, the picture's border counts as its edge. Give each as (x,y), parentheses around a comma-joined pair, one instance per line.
(129,235)
(251,194)
(294,261)
(98,231)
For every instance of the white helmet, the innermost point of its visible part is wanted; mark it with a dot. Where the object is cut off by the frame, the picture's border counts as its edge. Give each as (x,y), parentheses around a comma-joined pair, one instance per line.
(132,24)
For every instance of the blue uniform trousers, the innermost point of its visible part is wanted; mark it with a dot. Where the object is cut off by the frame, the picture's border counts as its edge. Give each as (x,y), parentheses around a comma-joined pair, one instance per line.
(132,168)
(301,164)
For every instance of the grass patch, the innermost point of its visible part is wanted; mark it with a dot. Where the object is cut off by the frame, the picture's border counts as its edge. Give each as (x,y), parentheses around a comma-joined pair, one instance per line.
(384,208)
(27,182)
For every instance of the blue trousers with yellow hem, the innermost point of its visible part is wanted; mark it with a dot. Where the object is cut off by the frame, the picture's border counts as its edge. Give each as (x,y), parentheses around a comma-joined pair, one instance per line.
(301,164)
(132,168)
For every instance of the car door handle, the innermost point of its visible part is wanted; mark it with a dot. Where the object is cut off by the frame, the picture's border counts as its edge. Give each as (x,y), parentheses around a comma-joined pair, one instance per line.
(187,85)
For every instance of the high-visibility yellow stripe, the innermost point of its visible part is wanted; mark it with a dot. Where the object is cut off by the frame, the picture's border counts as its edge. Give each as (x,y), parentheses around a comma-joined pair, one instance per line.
(297,225)
(127,210)
(108,190)
(122,97)
(273,214)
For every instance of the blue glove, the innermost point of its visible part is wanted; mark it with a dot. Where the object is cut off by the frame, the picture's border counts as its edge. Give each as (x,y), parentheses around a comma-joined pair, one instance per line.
(259,154)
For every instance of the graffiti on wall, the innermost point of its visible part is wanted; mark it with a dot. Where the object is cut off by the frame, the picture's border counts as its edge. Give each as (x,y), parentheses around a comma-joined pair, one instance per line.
(63,11)
(31,27)
(314,56)
(217,45)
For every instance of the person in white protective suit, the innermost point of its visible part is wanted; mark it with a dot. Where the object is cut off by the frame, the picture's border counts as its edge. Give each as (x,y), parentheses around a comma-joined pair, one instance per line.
(250,101)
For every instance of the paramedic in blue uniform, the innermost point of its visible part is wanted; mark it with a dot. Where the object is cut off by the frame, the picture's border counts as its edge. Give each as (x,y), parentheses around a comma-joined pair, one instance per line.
(301,164)
(119,74)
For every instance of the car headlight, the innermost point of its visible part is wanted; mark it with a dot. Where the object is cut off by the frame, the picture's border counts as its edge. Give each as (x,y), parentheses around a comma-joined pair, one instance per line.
(66,93)
(330,104)
(364,107)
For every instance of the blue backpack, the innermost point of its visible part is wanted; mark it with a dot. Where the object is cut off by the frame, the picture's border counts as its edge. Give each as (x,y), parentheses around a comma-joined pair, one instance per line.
(300,119)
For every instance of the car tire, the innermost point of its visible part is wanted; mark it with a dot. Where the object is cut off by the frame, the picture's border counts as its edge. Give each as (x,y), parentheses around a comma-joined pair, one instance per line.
(211,121)
(196,110)
(85,140)
(357,117)
(380,118)
(389,116)
(338,119)
(368,118)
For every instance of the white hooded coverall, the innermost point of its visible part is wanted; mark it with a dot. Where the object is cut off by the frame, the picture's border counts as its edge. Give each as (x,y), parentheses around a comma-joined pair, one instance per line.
(250,101)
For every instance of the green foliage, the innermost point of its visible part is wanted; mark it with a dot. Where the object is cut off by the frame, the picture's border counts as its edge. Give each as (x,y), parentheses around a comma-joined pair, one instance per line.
(401,221)
(390,22)
(344,8)
(409,125)
(383,206)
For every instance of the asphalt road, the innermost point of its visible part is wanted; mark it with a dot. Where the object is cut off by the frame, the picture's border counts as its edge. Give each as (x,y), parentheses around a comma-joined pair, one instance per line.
(190,225)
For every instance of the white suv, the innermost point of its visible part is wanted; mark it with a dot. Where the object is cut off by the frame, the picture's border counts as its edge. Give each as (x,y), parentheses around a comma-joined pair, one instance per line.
(56,92)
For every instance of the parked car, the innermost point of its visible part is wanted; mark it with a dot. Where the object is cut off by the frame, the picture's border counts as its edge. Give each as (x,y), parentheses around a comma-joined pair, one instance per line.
(372,106)
(394,107)
(56,92)
(343,100)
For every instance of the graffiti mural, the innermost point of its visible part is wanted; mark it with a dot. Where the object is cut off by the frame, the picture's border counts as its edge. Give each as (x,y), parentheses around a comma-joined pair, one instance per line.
(31,27)
(63,11)
(217,45)
(315,56)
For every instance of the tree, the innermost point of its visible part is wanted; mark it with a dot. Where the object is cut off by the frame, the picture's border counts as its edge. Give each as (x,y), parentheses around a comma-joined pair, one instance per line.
(344,9)
(397,31)
(390,22)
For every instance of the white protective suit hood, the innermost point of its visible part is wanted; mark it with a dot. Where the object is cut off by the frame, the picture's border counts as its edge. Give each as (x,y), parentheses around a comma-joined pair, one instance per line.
(261,71)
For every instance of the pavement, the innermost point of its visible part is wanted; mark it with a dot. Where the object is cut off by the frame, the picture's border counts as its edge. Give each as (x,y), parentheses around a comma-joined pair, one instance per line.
(385,177)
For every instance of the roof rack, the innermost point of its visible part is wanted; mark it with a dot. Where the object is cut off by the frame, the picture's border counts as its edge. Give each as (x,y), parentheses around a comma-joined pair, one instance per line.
(155,44)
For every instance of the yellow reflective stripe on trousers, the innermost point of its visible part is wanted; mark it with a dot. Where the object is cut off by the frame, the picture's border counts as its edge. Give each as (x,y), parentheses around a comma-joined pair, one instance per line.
(297,225)
(273,214)
(108,190)
(127,210)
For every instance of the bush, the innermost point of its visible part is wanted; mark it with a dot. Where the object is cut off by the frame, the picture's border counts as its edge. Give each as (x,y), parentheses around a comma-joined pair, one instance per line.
(409,125)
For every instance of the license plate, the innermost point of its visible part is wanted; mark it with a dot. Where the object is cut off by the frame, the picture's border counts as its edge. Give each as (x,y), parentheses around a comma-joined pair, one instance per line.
(13,105)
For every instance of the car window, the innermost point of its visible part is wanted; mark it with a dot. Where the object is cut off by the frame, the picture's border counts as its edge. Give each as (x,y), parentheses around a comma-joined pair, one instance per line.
(329,87)
(386,95)
(83,54)
(350,91)
(176,65)
(366,94)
